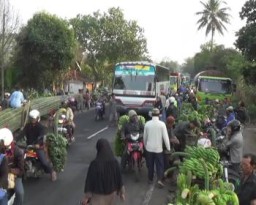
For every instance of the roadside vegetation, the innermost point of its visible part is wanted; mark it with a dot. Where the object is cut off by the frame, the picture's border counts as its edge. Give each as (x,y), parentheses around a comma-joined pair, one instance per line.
(42,53)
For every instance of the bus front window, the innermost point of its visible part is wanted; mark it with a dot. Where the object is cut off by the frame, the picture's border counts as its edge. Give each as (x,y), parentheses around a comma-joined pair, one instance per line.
(131,82)
(173,80)
(215,86)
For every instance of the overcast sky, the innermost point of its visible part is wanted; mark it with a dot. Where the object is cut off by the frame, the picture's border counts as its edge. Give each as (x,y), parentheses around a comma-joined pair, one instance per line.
(169,25)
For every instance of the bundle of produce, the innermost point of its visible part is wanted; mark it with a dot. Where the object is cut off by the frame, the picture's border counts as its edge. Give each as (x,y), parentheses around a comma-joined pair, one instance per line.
(193,195)
(57,150)
(189,114)
(206,110)
(119,143)
(192,162)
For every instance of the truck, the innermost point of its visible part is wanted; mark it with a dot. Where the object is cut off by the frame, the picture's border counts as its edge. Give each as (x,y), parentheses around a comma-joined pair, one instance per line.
(175,81)
(211,85)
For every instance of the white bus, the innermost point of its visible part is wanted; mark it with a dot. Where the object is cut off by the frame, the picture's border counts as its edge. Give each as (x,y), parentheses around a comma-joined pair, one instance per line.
(137,84)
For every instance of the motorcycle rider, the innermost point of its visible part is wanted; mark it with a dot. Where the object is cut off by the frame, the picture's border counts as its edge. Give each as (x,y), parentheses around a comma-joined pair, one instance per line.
(172,110)
(15,158)
(234,144)
(100,107)
(35,133)
(70,125)
(230,114)
(133,126)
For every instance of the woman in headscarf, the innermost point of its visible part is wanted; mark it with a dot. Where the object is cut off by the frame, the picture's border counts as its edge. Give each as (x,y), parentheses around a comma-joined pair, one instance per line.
(104,179)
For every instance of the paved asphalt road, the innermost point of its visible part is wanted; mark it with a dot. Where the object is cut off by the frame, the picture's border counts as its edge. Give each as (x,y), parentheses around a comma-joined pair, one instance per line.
(68,189)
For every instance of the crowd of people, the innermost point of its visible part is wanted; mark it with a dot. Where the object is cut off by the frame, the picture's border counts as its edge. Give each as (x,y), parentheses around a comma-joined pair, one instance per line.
(161,135)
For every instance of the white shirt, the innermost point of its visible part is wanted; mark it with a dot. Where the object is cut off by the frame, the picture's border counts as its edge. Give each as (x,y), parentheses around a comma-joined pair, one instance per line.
(155,132)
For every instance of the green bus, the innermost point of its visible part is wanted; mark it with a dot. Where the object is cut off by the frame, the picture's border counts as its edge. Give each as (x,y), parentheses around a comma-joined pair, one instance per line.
(209,88)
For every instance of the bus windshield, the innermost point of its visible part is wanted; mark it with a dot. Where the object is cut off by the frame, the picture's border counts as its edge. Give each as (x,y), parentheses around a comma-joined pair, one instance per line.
(142,83)
(134,77)
(173,80)
(222,86)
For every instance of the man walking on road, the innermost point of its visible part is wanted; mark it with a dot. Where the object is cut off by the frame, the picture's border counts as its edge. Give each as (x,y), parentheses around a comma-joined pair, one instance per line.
(155,132)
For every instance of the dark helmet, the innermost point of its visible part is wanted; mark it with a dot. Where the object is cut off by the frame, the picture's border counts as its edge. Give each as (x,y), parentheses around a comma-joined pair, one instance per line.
(235,125)
(65,103)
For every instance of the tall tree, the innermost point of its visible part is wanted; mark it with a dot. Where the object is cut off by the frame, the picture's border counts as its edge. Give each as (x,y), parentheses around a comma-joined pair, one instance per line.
(45,47)
(9,23)
(107,38)
(226,60)
(246,41)
(213,17)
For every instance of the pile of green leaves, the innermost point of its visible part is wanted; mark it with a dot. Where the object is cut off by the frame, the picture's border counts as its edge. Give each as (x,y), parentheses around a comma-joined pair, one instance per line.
(188,113)
(57,149)
(119,144)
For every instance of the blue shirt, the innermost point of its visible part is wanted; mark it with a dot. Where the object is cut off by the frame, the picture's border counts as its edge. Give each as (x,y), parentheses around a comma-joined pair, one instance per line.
(230,118)
(16,99)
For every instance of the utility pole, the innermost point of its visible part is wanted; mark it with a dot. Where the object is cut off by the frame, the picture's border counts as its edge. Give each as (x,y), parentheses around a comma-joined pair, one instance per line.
(2,51)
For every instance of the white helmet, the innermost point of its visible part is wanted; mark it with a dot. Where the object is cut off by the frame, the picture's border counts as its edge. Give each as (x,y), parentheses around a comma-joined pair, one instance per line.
(34,114)
(172,99)
(6,136)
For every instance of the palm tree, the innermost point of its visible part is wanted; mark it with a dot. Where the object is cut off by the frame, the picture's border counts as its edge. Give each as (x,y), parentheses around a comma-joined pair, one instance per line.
(213,17)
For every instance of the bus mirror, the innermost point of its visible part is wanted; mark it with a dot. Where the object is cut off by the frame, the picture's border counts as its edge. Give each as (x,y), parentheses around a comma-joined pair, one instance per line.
(234,87)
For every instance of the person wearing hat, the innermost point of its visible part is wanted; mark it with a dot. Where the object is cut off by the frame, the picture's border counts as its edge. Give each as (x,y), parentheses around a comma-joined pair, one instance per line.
(133,126)
(230,114)
(155,133)
(15,158)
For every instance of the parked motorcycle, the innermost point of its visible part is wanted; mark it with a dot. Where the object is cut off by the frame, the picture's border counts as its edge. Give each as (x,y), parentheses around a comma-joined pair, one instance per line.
(32,165)
(135,151)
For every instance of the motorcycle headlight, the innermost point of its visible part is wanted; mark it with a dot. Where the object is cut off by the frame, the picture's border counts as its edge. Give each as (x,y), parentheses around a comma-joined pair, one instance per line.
(135,137)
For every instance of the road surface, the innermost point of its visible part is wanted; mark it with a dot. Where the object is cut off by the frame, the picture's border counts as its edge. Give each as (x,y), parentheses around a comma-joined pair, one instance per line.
(68,189)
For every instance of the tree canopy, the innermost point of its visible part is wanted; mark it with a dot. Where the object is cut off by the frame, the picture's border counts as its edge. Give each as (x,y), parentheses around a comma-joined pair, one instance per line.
(9,23)
(107,38)
(246,41)
(45,47)
(213,17)
(226,60)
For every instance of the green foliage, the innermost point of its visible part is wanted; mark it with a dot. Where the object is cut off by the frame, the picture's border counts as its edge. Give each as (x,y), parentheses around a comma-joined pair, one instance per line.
(248,11)
(246,41)
(172,65)
(223,59)
(213,17)
(57,151)
(45,44)
(108,38)
(189,114)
